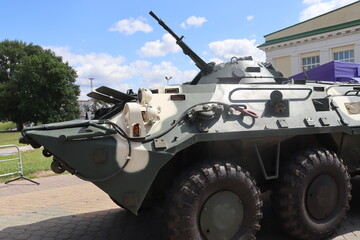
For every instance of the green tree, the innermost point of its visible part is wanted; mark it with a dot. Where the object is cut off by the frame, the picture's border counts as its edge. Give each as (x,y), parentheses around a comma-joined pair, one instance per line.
(35,85)
(11,53)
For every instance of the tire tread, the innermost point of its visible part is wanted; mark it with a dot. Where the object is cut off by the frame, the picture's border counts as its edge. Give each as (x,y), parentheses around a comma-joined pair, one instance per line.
(291,186)
(184,198)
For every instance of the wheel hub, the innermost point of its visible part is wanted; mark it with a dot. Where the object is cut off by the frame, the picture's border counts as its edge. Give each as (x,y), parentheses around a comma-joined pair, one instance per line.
(322,197)
(221,216)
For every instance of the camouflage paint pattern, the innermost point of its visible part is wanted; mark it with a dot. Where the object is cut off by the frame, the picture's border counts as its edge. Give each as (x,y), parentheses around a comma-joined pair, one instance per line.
(100,158)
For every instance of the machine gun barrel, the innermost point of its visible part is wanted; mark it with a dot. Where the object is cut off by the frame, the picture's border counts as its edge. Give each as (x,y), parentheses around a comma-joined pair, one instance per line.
(199,62)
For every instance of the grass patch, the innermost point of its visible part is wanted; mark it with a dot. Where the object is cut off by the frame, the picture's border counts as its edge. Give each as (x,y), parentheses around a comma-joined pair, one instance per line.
(33,162)
(7,138)
(5,126)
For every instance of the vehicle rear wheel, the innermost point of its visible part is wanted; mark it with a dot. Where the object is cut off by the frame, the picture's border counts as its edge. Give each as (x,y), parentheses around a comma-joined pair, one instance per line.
(313,195)
(217,201)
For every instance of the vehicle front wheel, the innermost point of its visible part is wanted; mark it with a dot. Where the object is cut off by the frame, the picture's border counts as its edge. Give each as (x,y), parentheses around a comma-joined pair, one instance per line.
(217,201)
(313,194)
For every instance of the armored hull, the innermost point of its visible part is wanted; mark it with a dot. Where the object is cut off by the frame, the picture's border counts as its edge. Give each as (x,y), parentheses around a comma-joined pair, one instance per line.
(207,149)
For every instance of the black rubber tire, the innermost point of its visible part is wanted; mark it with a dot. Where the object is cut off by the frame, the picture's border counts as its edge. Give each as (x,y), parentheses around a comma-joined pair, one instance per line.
(56,167)
(293,191)
(189,194)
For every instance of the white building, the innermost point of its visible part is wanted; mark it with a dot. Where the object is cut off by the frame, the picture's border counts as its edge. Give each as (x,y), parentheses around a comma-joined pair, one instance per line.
(328,37)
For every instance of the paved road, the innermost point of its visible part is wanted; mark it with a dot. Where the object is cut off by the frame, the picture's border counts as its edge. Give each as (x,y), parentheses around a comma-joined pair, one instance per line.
(65,207)
(8,150)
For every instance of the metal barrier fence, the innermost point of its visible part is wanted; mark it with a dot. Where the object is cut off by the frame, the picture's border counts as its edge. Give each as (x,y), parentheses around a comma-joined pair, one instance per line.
(18,159)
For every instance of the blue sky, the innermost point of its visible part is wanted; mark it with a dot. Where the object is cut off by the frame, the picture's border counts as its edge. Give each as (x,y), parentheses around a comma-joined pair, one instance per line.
(121,46)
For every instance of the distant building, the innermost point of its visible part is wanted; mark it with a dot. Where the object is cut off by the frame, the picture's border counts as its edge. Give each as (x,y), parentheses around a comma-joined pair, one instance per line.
(328,37)
(90,108)
(86,106)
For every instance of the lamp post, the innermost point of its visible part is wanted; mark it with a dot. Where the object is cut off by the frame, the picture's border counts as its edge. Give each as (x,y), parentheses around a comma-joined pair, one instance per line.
(168,79)
(91,83)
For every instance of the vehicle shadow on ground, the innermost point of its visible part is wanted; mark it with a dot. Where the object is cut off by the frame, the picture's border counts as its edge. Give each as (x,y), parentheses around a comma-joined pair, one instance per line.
(109,224)
(115,224)
(120,224)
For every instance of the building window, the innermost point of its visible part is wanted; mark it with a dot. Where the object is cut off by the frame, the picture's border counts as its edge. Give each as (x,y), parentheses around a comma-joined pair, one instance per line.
(344,56)
(310,62)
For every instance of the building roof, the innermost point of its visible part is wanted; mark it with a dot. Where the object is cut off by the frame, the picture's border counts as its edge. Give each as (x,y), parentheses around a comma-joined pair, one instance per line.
(344,17)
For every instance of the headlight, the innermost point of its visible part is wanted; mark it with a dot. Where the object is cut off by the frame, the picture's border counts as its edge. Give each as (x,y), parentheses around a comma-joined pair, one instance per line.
(150,115)
(144,96)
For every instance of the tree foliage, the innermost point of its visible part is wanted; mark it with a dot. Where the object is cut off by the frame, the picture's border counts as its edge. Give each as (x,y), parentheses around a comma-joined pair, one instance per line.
(35,85)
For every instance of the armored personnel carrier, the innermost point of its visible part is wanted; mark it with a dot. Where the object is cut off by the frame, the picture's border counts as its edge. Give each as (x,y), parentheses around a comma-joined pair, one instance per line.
(206,150)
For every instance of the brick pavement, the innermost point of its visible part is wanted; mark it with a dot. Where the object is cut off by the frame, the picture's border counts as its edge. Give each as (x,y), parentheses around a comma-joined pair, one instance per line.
(65,207)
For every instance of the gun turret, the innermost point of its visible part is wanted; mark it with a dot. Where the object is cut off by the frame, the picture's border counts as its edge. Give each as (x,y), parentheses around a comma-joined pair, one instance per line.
(205,68)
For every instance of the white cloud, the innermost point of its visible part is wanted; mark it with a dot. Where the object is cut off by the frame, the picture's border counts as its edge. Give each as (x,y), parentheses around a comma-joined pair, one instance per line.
(193,21)
(114,72)
(104,68)
(317,7)
(249,18)
(95,65)
(226,49)
(159,47)
(91,58)
(155,75)
(131,25)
